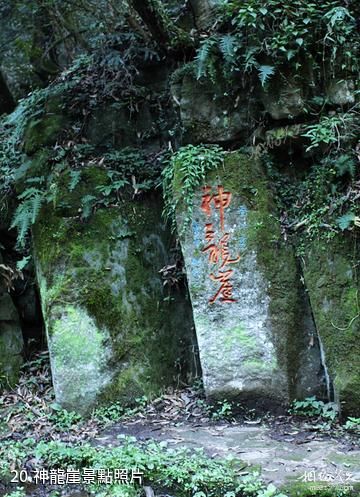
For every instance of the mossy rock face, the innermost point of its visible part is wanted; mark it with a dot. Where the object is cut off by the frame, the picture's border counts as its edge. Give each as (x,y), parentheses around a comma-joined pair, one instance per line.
(15,51)
(11,339)
(207,110)
(254,325)
(341,92)
(112,332)
(332,279)
(44,130)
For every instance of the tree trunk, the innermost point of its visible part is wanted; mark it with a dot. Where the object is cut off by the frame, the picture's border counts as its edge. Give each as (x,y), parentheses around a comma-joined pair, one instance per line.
(163,30)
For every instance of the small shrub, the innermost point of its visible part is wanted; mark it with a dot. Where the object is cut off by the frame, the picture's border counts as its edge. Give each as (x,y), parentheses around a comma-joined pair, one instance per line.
(64,420)
(352,424)
(311,407)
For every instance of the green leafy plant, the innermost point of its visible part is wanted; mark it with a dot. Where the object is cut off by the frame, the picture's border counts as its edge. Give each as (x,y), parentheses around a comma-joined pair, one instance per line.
(345,164)
(187,168)
(222,410)
(311,407)
(12,455)
(19,492)
(265,72)
(116,411)
(269,36)
(75,177)
(347,220)
(352,424)
(64,420)
(27,212)
(205,58)
(324,201)
(329,130)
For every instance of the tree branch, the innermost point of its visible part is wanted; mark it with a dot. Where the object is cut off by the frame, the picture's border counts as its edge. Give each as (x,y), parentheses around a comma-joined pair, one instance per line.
(163,30)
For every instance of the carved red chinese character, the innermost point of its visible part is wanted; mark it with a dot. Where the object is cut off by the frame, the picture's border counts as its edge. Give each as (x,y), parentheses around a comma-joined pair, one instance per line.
(213,250)
(221,202)
(206,200)
(225,253)
(226,288)
(221,252)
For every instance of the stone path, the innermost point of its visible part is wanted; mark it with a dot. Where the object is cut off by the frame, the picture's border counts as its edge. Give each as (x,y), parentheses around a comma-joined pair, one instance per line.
(280,461)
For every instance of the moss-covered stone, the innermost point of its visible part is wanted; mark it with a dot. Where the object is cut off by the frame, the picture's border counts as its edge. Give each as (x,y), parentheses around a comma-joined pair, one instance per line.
(332,279)
(256,346)
(207,110)
(112,333)
(44,130)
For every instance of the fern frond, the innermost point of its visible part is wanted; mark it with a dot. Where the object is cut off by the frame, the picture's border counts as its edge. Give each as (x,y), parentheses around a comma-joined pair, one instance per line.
(29,193)
(265,72)
(74,180)
(87,203)
(249,59)
(227,47)
(35,206)
(203,56)
(337,15)
(26,213)
(22,221)
(36,180)
(344,222)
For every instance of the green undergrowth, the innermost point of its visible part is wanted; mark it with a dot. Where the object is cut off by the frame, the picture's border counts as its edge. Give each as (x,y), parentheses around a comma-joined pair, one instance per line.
(312,407)
(185,472)
(54,178)
(116,411)
(321,203)
(284,38)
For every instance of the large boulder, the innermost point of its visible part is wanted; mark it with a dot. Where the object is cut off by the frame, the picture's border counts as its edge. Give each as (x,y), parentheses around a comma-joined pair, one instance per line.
(113,331)
(332,279)
(208,112)
(11,339)
(256,337)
